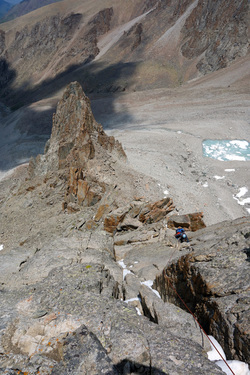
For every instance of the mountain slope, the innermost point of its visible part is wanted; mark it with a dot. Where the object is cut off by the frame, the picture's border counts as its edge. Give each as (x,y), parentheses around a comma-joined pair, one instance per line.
(110,46)
(14,2)
(4,7)
(24,7)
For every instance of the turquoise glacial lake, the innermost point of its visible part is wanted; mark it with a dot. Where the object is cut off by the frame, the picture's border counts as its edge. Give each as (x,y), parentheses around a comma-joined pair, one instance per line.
(226,150)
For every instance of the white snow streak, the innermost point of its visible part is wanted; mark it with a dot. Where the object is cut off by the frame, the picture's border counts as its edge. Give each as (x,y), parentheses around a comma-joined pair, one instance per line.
(149,284)
(239,368)
(219,177)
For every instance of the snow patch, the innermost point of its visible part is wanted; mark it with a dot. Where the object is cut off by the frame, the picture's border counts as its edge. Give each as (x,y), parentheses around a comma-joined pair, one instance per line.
(138,311)
(121,263)
(238,367)
(240,144)
(238,197)
(213,354)
(125,270)
(132,299)
(1,247)
(149,284)
(205,185)
(235,157)
(229,170)
(219,177)
(242,192)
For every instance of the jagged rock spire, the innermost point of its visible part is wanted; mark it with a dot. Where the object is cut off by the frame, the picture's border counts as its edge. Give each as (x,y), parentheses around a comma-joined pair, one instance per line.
(78,148)
(76,137)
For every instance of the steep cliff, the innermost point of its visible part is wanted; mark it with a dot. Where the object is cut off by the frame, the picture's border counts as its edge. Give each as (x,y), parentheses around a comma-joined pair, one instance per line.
(217,32)
(79,149)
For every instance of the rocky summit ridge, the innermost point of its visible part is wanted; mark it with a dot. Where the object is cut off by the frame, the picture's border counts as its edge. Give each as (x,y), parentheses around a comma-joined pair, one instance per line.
(85,239)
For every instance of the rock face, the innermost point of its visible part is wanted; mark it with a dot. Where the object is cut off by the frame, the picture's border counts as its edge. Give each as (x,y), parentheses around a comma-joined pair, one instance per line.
(76,137)
(227,37)
(190,222)
(214,280)
(136,213)
(79,148)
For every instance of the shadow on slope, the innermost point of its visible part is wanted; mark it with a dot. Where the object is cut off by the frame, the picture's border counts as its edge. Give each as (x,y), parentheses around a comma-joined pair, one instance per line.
(24,132)
(126,367)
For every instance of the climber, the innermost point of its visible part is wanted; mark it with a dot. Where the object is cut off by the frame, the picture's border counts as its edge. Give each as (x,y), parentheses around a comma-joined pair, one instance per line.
(181,235)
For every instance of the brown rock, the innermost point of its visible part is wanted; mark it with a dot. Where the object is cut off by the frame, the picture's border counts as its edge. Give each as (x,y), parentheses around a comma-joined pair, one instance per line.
(154,212)
(227,36)
(112,221)
(91,225)
(103,209)
(190,222)
(78,148)
(129,223)
(72,208)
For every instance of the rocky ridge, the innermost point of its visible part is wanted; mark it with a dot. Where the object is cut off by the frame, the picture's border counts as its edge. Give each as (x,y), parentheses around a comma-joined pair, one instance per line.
(75,272)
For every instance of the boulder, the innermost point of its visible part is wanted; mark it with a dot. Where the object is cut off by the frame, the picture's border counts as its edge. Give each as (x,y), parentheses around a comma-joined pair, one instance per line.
(102,210)
(112,221)
(190,222)
(154,212)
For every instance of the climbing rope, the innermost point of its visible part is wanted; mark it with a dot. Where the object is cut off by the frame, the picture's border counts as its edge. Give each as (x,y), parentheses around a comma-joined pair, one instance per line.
(170,283)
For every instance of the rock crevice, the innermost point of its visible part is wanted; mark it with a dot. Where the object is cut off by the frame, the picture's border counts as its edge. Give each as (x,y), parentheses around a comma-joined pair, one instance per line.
(214,283)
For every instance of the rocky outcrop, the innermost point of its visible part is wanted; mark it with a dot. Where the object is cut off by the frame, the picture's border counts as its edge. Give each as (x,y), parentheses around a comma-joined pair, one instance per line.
(76,137)
(213,281)
(131,217)
(72,321)
(227,38)
(190,222)
(51,43)
(78,148)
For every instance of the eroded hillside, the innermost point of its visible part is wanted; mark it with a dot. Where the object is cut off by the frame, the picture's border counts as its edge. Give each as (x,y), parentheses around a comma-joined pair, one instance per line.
(110,47)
